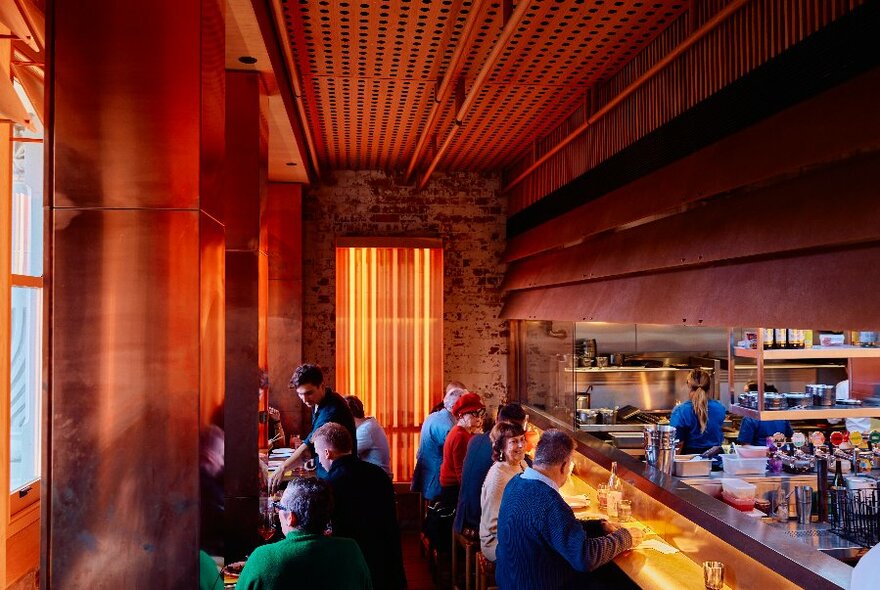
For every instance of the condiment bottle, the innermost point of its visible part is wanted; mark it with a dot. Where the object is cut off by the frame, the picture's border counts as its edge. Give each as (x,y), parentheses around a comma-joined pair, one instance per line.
(615,491)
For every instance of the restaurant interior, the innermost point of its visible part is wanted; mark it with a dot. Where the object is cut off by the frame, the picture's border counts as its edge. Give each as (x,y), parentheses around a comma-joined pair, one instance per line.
(568,204)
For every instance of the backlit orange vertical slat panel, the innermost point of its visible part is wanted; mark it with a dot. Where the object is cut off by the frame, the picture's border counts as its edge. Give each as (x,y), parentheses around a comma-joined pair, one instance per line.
(389,310)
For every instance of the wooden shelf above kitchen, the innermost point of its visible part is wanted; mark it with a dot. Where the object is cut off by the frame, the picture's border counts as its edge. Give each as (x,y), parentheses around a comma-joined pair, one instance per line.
(816,352)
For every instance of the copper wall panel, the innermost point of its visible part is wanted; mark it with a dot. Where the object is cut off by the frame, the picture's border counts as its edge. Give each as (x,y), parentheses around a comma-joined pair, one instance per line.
(242,181)
(213,107)
(124,487)
(241,481)
(790,215)
(829,289)
(127,103)
(212,318)
(284,223)
(782,144)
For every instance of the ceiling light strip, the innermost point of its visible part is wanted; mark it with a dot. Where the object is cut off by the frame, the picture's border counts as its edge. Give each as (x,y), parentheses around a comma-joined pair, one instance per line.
(707,28)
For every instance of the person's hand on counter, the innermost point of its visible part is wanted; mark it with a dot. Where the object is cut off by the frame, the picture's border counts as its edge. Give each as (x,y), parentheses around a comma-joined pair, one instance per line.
(278,476)
(637,534)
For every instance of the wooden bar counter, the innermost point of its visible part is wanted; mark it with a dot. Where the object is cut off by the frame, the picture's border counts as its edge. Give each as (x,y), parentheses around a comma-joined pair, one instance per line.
(699,526)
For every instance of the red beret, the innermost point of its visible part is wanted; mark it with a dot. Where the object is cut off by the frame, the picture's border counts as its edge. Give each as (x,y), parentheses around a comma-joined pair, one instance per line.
(468,402)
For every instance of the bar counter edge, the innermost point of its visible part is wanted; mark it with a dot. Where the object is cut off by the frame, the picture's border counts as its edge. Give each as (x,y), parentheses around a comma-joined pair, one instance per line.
(779,552)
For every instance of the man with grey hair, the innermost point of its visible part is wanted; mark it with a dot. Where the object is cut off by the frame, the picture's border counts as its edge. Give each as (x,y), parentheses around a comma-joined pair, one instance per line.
(306,558)
(435,428)
(540,542)
(365,508)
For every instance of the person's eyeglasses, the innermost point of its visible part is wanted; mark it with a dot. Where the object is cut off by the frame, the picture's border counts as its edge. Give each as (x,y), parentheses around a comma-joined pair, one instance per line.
(278,506)
(478,413)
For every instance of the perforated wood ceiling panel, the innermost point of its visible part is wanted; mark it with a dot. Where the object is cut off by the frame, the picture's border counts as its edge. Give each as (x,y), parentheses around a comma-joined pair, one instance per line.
(370,72)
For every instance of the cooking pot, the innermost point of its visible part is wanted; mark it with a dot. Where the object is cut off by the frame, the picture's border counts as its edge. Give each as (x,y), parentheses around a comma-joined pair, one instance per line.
(617,359)
(587,416)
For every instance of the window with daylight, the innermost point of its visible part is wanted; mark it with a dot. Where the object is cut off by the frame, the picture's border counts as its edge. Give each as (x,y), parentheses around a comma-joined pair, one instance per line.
(389,335)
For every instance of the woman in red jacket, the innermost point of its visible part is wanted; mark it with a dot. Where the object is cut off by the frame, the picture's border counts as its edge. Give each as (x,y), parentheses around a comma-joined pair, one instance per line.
(469,411)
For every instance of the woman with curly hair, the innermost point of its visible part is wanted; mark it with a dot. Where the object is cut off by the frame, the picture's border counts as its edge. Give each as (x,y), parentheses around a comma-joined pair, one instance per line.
(508,454)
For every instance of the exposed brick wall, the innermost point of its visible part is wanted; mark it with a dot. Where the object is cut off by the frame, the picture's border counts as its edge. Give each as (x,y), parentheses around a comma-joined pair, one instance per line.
(462,209)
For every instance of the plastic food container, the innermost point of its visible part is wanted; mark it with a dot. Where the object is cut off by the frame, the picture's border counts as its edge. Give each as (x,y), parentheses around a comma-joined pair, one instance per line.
(738,488)
(733,465)
(743,504)
(751,452)
(683,466)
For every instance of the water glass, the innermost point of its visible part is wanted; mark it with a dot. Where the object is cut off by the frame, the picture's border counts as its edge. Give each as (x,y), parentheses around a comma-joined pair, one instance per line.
(624,510)
(713,575)
(602,492)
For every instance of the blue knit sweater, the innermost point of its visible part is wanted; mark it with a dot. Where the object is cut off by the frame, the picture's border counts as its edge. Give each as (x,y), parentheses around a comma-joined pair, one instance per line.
(541,545)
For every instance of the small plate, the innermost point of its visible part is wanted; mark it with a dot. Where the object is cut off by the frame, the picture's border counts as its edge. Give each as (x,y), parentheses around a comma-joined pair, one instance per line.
(577,502)
(850,402)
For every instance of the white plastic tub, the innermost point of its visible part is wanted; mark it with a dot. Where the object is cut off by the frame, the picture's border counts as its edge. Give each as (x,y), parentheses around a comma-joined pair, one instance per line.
(751,452)
(738,488)
(734,465)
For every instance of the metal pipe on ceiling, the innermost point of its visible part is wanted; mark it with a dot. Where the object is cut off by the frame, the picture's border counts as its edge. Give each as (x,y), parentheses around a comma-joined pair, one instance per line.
(509,28)
(451,75)
(707,28)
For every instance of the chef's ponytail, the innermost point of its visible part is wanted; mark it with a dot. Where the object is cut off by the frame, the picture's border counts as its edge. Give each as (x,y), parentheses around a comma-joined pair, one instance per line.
(699,381)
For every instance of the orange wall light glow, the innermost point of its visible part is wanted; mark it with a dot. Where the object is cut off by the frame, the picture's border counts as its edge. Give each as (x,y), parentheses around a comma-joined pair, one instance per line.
(389,338)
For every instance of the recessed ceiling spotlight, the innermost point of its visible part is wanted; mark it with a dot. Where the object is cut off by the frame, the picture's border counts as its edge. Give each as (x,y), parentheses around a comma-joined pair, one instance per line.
(247,59)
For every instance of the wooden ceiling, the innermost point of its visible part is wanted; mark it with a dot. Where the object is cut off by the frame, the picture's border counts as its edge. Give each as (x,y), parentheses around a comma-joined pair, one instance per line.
(410,85)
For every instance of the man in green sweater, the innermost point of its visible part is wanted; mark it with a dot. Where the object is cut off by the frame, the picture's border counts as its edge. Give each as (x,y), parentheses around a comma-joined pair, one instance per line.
(306,558)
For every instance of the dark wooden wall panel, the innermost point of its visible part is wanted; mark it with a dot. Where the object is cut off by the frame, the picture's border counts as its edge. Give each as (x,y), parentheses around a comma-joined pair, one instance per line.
(808,290)
(813,211)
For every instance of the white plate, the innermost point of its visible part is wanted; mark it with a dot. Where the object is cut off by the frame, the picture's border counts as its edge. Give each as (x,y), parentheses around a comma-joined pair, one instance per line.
(577,502)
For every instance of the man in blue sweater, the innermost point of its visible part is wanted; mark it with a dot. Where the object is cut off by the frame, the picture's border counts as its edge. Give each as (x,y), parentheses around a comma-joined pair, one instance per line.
(541,545)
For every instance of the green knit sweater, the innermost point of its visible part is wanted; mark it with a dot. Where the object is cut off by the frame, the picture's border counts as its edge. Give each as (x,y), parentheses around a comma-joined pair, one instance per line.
(306,560)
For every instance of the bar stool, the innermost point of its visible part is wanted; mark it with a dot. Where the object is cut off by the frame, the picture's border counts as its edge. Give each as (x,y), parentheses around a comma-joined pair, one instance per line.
(468,540)
(485,573)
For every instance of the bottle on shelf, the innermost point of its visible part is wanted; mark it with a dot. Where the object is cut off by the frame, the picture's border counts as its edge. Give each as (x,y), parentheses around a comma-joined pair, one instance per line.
(767,338)
(779,340)
(795,338)
(615,491)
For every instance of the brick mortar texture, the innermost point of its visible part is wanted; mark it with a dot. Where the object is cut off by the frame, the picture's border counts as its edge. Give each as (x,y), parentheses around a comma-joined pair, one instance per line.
(463,209)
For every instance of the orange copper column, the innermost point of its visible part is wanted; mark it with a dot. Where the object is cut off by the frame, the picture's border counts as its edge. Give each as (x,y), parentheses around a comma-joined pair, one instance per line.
(244,197)
(135,324)
(284,213)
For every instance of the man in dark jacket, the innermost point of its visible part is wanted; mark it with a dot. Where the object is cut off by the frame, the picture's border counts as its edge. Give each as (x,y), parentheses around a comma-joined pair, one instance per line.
(326,405)
(364,508)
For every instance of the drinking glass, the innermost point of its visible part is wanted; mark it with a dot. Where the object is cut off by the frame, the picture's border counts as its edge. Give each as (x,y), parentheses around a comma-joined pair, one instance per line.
(266,526)
(713,575)
(602,492)
(624,510)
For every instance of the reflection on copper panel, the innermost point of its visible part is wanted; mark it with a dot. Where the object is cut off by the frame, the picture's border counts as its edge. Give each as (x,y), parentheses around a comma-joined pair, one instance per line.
(127,104)
(125,387)
(212,317)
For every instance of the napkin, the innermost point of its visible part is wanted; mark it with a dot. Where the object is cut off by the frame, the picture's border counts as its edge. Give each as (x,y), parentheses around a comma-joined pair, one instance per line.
(657,545)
